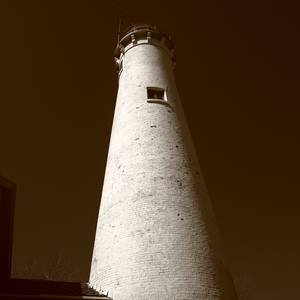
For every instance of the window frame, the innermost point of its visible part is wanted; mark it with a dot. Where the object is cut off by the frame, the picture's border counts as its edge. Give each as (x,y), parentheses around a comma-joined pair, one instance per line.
(152,89)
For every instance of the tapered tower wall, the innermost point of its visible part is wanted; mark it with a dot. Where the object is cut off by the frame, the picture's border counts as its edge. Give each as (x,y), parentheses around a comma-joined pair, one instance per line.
(156,236)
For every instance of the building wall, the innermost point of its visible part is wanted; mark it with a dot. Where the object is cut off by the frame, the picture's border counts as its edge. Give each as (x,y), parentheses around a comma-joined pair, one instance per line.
(7,207)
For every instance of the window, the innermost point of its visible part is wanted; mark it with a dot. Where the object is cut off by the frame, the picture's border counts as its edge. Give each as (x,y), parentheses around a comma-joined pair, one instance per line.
(155,93)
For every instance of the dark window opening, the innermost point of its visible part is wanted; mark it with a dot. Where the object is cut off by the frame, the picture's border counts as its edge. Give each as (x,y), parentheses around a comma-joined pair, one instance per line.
(156,93)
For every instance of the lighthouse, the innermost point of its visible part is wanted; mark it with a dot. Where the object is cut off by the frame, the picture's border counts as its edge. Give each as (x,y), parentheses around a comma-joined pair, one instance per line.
(156,235)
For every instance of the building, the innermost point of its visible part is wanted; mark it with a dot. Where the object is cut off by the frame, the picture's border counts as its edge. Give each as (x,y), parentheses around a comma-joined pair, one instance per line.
(7,209)
(16,289)
(156,235)
(11,288)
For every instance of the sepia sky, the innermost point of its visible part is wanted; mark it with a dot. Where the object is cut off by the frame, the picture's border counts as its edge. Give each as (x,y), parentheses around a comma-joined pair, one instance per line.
(238,77)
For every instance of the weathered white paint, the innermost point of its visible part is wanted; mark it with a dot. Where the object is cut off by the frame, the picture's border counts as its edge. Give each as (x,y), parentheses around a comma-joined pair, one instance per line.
(155,229)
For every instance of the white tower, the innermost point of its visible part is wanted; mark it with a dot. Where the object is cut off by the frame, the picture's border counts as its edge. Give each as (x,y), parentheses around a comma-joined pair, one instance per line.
(156,236)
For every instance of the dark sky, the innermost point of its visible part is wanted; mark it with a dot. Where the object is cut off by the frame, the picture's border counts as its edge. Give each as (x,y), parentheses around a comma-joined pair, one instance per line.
(238,76)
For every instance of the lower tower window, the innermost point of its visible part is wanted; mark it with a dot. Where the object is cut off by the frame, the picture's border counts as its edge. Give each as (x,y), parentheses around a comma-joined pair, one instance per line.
(156,93)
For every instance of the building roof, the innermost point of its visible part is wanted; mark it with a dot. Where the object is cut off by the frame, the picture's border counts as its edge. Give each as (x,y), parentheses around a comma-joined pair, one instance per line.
(44,289)
(7,183)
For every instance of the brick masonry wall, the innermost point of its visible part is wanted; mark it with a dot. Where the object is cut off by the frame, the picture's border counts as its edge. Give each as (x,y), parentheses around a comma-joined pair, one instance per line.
(155,236)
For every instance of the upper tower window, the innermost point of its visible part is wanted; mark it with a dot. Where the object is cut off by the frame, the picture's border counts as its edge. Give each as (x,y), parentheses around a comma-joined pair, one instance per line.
(156,93)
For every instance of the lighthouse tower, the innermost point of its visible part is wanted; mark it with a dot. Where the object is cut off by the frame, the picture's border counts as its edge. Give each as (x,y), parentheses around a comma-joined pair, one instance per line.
(156,236)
